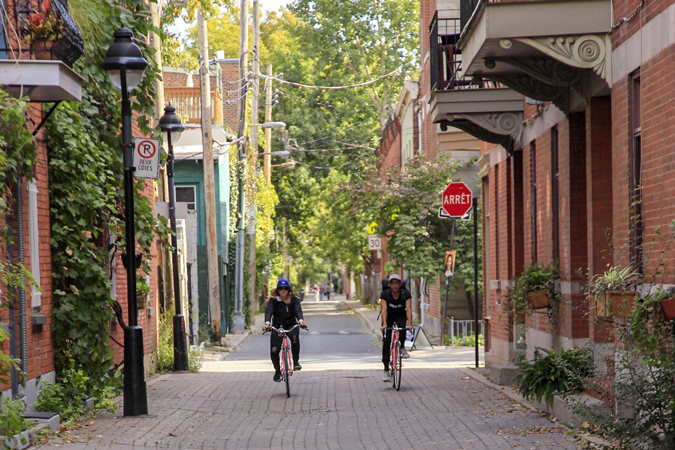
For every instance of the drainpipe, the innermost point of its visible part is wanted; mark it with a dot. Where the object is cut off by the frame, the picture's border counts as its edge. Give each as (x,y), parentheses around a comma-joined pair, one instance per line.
(22,290)
(12,324)
(34,245)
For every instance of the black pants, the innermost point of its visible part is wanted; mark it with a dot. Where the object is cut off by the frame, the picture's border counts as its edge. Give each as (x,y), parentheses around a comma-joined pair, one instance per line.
(386,343)
(275,347)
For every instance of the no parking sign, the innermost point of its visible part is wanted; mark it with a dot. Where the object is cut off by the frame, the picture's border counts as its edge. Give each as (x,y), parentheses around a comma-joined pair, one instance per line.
(146,158)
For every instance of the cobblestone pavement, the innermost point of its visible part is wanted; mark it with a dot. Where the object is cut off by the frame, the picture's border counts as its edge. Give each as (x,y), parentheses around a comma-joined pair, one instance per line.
(237,406)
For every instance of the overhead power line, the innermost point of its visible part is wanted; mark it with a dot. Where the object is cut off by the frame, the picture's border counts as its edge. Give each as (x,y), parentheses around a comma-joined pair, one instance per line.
(348,86)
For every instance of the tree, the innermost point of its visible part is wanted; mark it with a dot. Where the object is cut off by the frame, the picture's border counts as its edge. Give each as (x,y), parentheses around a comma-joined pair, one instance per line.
(405,204)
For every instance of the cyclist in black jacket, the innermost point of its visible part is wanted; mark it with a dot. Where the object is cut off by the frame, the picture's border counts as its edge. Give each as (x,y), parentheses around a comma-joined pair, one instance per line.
(396,305)
(283,308)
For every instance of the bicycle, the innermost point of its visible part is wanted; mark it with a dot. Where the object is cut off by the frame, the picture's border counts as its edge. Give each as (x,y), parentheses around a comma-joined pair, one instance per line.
(395,356)
(286,355)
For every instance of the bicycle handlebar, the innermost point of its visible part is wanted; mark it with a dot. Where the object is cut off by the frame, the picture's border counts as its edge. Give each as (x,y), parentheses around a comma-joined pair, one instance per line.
(281,331)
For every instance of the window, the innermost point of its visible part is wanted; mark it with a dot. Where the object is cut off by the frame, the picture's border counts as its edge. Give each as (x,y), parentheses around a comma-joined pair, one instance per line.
(635,177)
(555,195)
(533,199)
(188,195)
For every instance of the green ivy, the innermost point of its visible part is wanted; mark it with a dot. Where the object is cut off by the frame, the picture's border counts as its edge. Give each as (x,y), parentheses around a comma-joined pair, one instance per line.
(87,204)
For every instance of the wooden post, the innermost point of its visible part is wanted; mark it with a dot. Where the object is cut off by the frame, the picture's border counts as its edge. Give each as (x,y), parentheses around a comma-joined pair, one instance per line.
(267,157)
(238,322)
(209,183)
(255,118)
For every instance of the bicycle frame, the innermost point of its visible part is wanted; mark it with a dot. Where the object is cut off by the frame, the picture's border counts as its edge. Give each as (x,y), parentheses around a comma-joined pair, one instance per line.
(286,355)
(395,363)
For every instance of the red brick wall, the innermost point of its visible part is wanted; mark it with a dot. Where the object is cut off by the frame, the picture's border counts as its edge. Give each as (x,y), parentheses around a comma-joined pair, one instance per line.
(231,111)
(39,339)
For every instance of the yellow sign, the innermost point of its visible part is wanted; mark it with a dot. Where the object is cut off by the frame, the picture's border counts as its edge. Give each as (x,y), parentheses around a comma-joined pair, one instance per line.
(449,263)
(372,228)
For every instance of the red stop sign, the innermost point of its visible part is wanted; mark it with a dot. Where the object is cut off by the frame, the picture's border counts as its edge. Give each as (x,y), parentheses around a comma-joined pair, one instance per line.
(457,199)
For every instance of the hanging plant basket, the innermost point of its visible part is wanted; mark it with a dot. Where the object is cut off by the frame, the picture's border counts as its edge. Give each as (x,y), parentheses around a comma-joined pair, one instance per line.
(539,299)
(668,308)
(617,304)
(42,50)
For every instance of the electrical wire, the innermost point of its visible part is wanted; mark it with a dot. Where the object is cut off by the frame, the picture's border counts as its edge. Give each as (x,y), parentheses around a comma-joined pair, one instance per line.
(349,86)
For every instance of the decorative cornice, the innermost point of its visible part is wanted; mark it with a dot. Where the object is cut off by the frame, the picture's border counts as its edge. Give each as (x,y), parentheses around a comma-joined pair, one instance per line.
(534,88)
(499,128)
(587,51)
(483,164)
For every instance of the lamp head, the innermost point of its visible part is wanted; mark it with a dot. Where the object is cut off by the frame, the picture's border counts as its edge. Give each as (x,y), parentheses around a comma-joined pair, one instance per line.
(125,55)
(274,125)
(170,123)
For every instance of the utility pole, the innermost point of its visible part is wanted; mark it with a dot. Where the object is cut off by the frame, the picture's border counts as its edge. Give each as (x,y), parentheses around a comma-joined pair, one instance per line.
(267,156)
(209,183)
(239,321)
(255,117)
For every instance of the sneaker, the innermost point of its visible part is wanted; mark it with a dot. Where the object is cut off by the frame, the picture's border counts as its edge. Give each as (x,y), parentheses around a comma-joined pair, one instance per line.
(385,376)
(297,366)
(405,353)
(277,377)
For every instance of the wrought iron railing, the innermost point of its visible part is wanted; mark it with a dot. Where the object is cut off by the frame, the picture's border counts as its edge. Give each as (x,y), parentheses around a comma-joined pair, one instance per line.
(467,8)
(42,29)
(445,58)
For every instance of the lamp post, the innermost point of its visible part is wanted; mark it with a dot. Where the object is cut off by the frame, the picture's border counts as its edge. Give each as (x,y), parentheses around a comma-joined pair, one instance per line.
(172,126)
(124,63)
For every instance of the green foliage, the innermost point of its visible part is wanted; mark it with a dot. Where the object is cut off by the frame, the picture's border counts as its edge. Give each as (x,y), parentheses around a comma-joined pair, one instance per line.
(404,204)
(7,363)
(555,374)
(165,345)
(11,422)
(65,397)
(614,279)
(86,209)
(465,341)
(534,278)
(165,342)
(17,146)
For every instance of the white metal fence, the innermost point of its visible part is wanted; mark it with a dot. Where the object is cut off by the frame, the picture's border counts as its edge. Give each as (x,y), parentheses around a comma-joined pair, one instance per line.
(461,329)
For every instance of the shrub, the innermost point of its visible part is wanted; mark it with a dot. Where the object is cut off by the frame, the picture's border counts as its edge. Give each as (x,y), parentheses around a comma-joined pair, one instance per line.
(556,373)
(11,422)
(65,397)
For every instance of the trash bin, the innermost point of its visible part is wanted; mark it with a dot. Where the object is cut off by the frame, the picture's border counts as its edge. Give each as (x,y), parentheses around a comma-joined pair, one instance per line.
(302,294)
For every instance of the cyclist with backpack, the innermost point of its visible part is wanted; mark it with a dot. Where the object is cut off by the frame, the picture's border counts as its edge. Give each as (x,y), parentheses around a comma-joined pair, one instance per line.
(396,306)
(283,309)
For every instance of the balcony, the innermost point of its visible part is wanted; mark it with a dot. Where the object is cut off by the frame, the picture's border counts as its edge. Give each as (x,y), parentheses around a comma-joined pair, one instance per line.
(485,109)
(39,43)
(188,104)
(555,51)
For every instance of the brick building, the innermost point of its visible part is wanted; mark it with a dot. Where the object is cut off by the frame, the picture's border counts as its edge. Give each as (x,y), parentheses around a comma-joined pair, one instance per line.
(574,108)
(436,139)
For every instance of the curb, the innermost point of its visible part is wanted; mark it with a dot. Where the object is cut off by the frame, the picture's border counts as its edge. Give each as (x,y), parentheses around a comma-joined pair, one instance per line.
(594,442)
(375,331)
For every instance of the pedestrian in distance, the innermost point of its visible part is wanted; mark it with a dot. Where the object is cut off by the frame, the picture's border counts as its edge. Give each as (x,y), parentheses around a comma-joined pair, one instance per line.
(396,307)
(283,309)
(328,292)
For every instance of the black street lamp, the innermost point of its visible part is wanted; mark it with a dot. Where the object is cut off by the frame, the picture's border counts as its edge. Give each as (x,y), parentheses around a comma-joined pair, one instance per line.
(124,63)
(172,126)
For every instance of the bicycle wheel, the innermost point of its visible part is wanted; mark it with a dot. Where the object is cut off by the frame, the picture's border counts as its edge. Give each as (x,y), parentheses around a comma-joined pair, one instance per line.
(397,367)
(287,367)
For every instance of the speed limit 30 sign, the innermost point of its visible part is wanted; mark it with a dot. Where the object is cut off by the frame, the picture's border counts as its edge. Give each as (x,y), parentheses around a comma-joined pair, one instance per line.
(146,158)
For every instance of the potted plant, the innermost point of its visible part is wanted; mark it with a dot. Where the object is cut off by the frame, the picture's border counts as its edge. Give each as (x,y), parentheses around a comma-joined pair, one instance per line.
(43,29)
(614,292)
(533,288)
(668,308)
